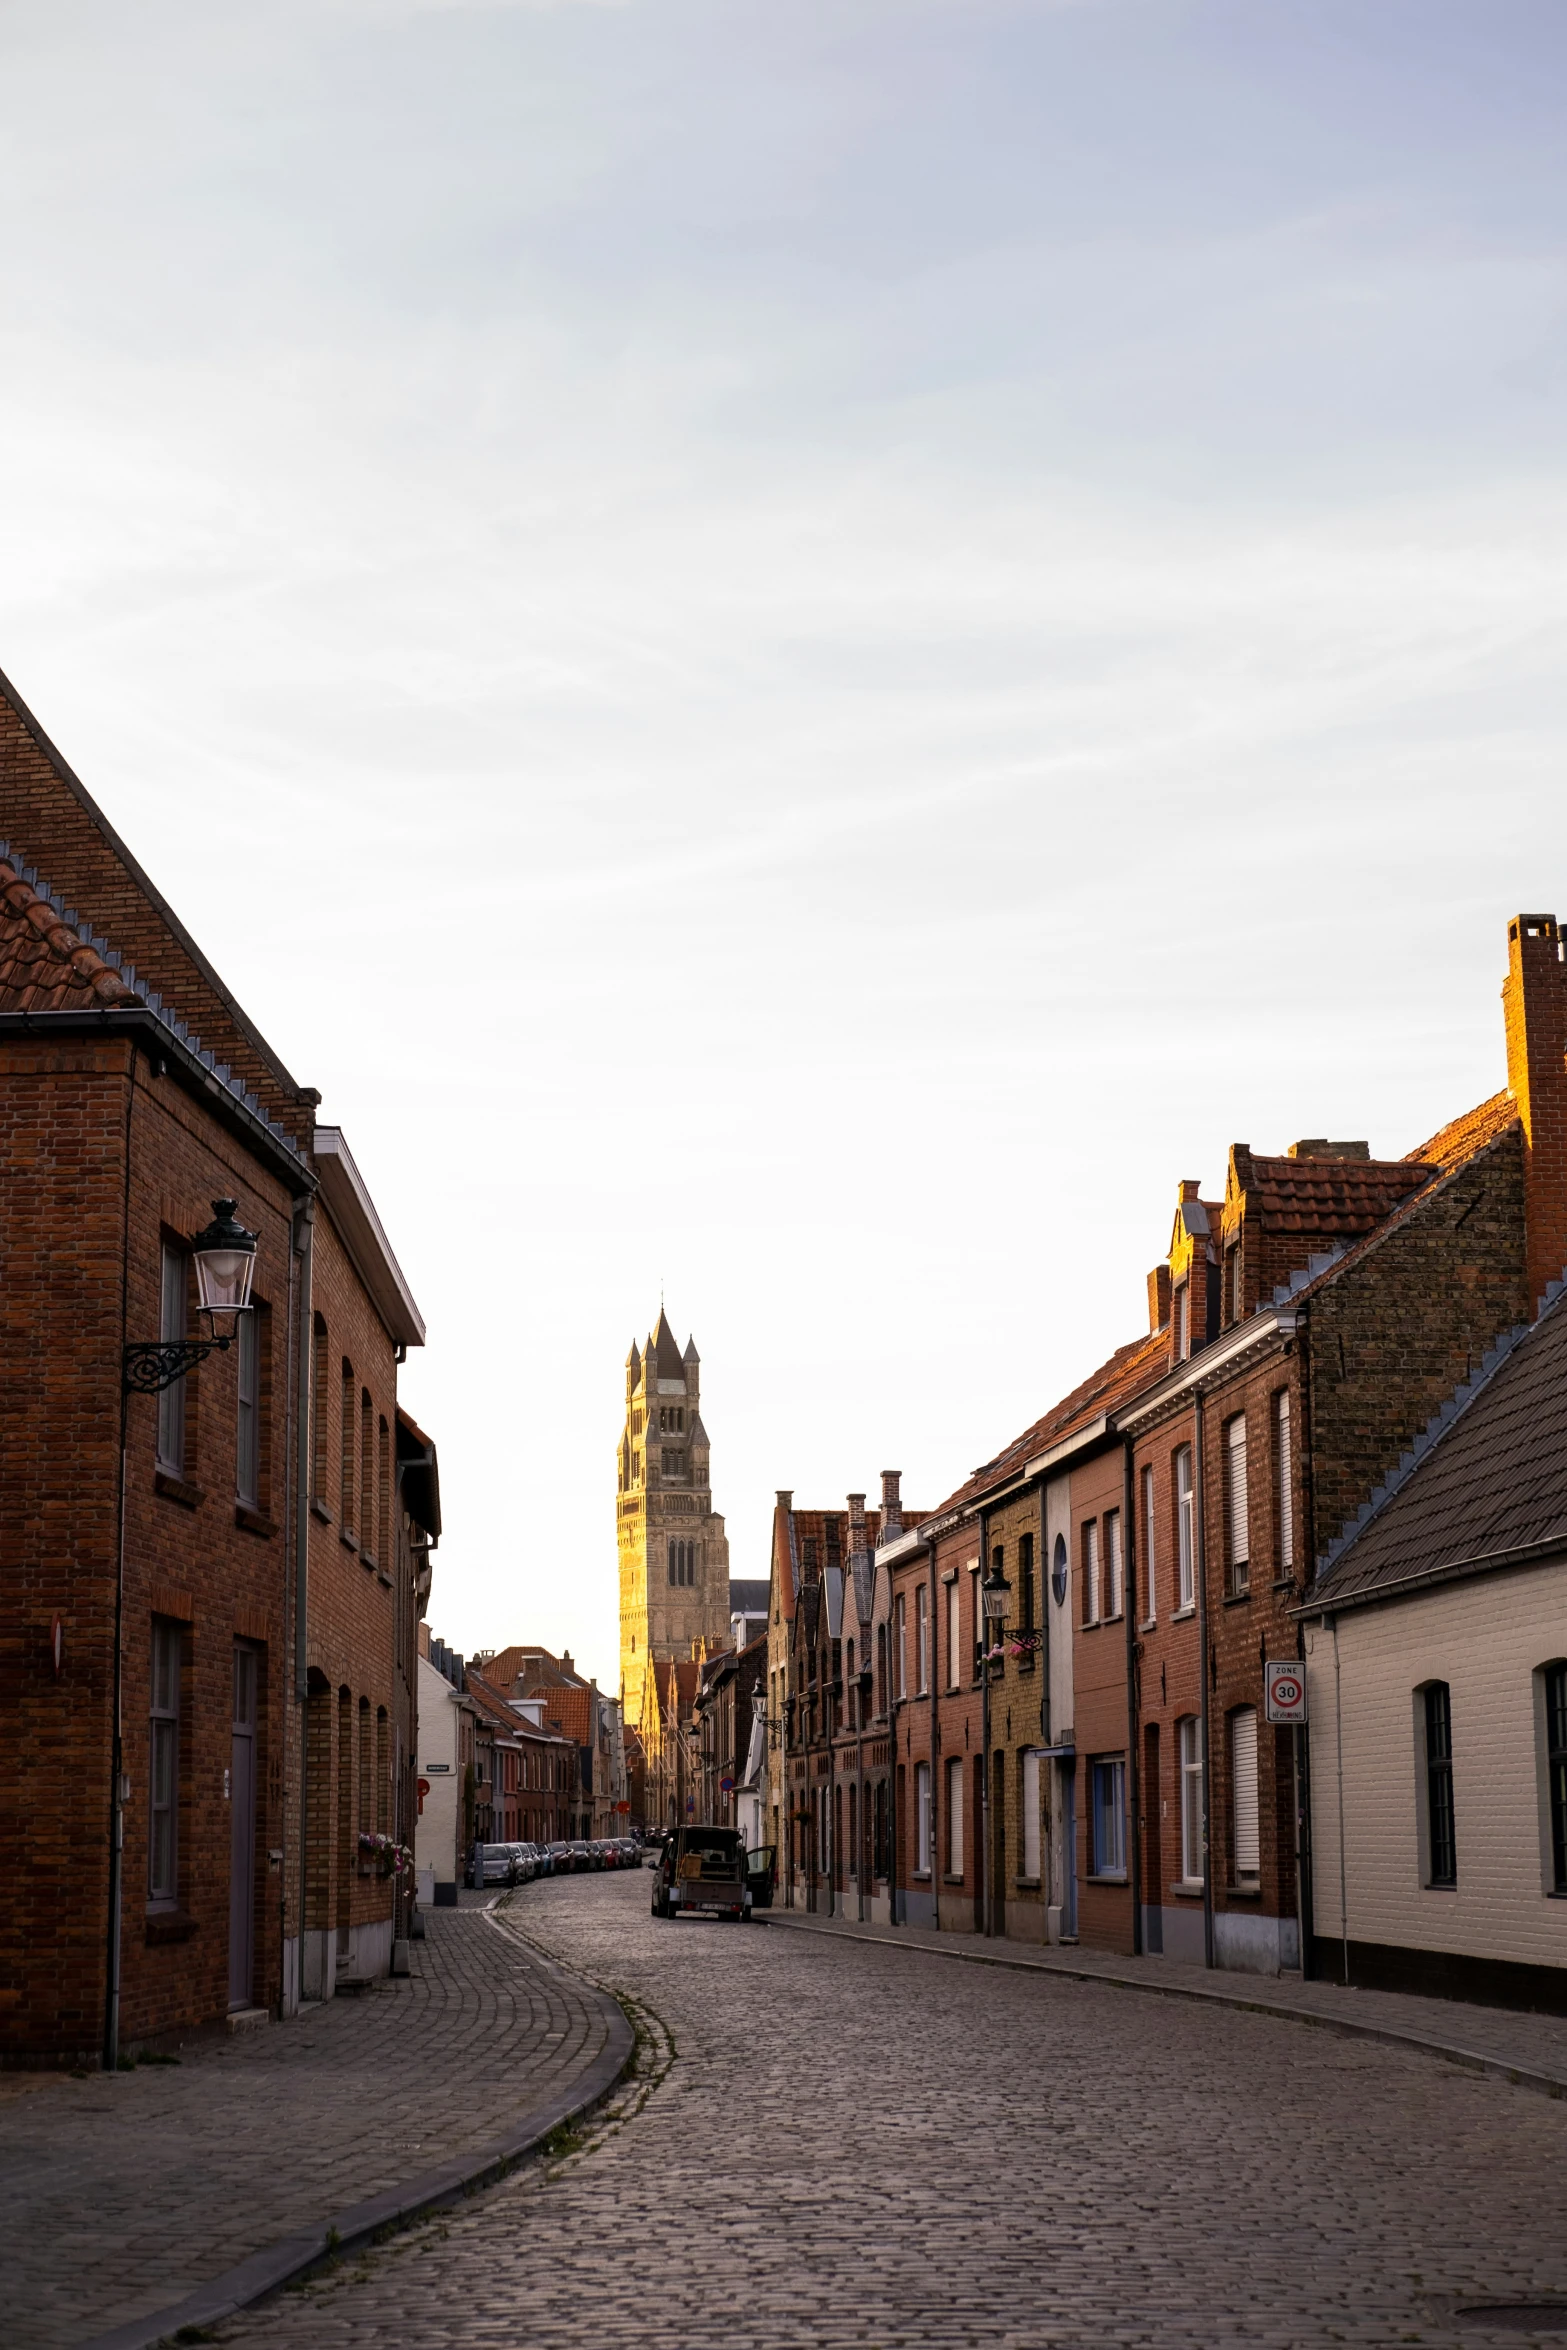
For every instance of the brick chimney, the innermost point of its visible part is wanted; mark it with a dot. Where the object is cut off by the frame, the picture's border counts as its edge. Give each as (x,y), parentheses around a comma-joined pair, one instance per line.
(1159,1298)
(1534,1005)
(891,1503)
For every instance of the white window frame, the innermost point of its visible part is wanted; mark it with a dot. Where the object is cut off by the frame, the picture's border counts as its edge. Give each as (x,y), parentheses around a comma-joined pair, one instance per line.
(1115,1566)
(900,1614)
(922,1640)
(954,1630)
(954,1818)
(1033,1843)
(1237,1506)
(1188,1732)
(1284,1482)
(163,1708)
(1089,1542)
(1107,1770)
(922,1820)
(1245,1802)
(1150,1553)
(1185,1531)
(247,1430)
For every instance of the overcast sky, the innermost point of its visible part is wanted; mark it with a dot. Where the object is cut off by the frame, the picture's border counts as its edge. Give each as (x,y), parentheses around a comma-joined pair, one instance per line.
(802,650)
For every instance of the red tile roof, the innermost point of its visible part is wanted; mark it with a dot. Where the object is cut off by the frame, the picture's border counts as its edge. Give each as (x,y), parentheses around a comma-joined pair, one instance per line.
(1139,1364)
(1462,1137)
(1325,1196)
(44,966)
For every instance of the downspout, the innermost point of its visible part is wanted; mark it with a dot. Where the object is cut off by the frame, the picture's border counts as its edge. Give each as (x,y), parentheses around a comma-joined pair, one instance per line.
(1304,1877)
(1133,1771)
(1199,1471)
(933,1667)
(111,2001)
(303,1236)
(1343,1866)
(985,1857)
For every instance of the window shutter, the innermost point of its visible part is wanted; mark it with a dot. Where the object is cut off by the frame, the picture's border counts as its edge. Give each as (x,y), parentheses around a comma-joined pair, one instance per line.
(1240,1550)
(1286,1501)
(1243,1785)
(1030,1815)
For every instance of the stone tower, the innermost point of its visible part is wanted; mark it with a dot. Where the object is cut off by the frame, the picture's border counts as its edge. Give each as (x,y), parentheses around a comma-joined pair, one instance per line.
(674,1554)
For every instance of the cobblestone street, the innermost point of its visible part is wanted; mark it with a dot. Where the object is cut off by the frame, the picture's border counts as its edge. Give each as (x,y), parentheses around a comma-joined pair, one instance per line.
(860,2146)
(123,2194)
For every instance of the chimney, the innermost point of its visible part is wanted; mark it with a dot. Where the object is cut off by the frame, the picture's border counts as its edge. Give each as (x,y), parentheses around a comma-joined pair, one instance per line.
(1159,1298)
(891,1503)
(785,1500)
(424,1641)
(1534,1005)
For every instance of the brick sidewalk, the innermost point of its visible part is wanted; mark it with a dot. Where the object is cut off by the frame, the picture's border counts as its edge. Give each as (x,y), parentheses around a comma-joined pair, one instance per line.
(124,2195)
(1531,2047)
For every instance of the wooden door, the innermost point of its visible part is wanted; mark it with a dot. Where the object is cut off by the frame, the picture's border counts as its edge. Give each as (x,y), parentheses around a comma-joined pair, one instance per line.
(242,1829)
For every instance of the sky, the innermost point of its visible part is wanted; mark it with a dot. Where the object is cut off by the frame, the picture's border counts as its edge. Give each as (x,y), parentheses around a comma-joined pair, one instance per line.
(799,653)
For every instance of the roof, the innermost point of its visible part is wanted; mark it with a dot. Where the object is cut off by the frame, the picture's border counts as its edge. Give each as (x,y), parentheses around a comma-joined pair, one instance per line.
(1125,1374)
(1485,1481)
(527,1660)
(45,964)
(363,1235)
(1327,1195)
(749,1597)
(566,1711)
(1463,1137)
(666,1357)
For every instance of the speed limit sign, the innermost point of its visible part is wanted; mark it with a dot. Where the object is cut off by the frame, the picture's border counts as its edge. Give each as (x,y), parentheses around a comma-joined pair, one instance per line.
(1286,1693)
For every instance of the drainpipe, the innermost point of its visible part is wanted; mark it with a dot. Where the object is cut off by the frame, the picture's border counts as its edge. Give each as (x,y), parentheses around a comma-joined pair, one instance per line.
(984,1857)
(933,1667)
(111,2001)
(304,1233)
(1198,1476)
(1343,1867)
(1133,1758)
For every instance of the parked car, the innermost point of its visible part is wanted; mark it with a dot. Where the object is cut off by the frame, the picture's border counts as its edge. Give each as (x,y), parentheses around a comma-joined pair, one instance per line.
(563,1857)
(501,1864)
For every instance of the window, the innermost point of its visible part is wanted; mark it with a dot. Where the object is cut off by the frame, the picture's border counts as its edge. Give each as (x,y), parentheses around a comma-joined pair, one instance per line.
(383,1495)
(1029,1762)
(1556,1769)
(954,1633)
(1150,1563)
(922,1850)
(172,1325)
(318,1365)
(1189,1736)
(901,1646)
(1090,1541)
(1025,1581)
(345,1513)
(1115,1565)
(682,1563)
(671,1419)
(1283,1486)
(1108,1818)
(955,1816)
(1244,1824)
(1058,1571)
(365,1529)
(1236,1293)
(247,1436)
(673,1461)
(1237,1546)
(1441,1841)
(1183,1321)
(922,1641)
(164,1807)
(1185,1545)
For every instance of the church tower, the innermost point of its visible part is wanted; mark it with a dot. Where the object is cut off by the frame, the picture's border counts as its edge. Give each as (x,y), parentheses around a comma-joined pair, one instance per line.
(674,1554)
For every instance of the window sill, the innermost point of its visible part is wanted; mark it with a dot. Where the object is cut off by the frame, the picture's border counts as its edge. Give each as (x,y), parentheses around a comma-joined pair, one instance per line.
(318,1509)
(346,1539)
(383,1578)
(1188,1888)
(1237,1598)
(1284,1583)
(1250,1891)
(1181,1614)
(175,1488)
(367,1559)
(252,1521)
(1026,1884)
(1149,1624)
(951,1880)
(1105,1877)
(168,1925)
(921,1876)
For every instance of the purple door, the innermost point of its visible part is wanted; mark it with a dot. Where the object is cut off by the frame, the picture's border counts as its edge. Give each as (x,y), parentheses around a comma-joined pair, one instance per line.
(242,1829)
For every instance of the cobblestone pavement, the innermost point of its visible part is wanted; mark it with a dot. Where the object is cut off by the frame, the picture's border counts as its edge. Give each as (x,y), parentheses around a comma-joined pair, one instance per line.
(1535,2044)
(859,2146)
(123,2193)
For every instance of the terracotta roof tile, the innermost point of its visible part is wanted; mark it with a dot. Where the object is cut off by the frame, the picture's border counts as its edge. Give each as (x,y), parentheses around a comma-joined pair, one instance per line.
(1462,1137)
(1132,1367)
(1329,1196)
(44,965)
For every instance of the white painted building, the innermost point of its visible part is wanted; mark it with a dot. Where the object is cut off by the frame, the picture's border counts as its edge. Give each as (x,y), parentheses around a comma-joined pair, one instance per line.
(1436,1674)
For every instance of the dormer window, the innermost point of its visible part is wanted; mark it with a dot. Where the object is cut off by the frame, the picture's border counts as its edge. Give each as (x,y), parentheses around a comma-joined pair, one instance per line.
(1183,1320)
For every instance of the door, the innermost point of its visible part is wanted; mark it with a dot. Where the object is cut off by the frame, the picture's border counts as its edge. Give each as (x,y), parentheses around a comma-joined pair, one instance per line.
(759,1876)
(242,1829)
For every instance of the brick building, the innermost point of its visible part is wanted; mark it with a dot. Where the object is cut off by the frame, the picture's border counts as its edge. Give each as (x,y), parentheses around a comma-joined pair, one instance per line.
(1159,1527)
(249,1603)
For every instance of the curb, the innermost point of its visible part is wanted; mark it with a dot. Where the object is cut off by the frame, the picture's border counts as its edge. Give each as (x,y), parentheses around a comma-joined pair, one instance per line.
(363,2223)
(1348,2027)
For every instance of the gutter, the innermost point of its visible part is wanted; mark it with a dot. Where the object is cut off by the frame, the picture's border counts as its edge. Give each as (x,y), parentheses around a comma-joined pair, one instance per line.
(1194,1373)
(1523,1554)
(160,1043)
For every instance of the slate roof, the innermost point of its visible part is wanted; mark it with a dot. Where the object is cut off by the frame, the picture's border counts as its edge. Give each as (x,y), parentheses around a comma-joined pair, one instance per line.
(1487,1478)
(749,1597)
(667,1360)
(1128,1371)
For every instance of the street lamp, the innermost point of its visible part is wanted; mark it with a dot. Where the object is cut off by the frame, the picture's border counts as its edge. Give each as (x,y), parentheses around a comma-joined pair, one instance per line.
(994,1592)
(225,1260)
